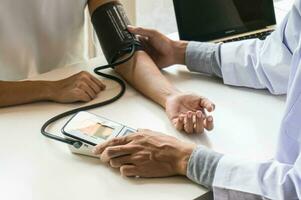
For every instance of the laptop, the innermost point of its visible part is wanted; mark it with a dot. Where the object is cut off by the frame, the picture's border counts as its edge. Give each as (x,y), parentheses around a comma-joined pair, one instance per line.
(224,20)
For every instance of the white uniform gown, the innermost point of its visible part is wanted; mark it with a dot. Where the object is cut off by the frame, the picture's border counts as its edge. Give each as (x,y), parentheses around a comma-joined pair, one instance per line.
(274,64)
(37,36)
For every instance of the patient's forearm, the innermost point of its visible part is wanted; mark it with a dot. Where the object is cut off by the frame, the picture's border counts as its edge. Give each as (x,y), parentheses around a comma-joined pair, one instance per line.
(143,74)
(14,93)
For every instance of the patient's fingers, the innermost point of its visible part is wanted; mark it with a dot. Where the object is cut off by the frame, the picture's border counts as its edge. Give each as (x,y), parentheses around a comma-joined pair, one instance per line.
(179,123)
(188,123)
(207,104)
(199,122)
(209,125)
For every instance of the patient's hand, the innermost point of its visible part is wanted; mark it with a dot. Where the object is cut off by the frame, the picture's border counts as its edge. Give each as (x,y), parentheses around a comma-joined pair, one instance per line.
(81,87)
(188,113)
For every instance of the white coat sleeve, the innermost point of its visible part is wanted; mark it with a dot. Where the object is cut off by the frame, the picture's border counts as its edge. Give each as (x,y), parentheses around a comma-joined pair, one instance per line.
(267,180)
(265,63)
(258,64)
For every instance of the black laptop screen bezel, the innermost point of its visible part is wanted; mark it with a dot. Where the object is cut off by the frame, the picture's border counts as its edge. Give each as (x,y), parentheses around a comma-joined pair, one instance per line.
(221,33)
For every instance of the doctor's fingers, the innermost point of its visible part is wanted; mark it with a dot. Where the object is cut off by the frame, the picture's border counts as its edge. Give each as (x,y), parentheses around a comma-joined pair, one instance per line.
(142,31)
(143,39)
(207,104)
(118,151)
(129,170)
(111,143)
(124,160)
(147,45)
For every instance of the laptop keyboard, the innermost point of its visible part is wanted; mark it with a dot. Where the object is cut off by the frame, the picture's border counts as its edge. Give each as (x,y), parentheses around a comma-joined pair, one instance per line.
(261,36)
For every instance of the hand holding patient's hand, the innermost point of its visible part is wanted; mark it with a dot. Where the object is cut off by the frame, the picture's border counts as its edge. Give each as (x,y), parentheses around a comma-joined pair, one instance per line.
(80,87)
(146,154)
(188,113)
(164,51)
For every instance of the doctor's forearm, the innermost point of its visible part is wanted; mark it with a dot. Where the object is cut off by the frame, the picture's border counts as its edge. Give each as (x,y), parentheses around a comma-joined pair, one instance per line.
(202,166)
(204,57)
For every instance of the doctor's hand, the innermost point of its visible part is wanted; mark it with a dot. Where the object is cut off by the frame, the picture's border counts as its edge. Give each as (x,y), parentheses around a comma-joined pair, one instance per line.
(81,87)
(164,51)
(188,113)
(146,154)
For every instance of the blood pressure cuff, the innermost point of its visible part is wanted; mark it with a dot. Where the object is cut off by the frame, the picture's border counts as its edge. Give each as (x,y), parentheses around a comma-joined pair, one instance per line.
(110,23)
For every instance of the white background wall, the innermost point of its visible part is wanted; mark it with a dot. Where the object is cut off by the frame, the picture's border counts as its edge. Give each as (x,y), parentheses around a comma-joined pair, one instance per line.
(158,14)
(130,6)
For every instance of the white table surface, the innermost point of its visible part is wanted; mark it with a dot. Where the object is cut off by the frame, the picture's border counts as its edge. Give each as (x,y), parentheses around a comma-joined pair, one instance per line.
(35,168)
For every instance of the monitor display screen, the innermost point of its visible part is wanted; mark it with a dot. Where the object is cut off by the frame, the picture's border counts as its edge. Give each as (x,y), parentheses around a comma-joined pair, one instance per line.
(96,129)
(205,20)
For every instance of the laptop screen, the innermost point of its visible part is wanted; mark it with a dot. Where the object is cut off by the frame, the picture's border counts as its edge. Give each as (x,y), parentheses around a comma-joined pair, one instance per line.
(205,20)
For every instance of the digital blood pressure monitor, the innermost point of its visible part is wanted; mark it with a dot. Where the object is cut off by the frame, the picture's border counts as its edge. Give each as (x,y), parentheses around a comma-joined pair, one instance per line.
(91,130)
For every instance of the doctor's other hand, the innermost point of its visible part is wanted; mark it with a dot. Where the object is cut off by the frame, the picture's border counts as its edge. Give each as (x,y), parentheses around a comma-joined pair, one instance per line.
(81,87)
(188,113)
(146,154)
(164,51)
